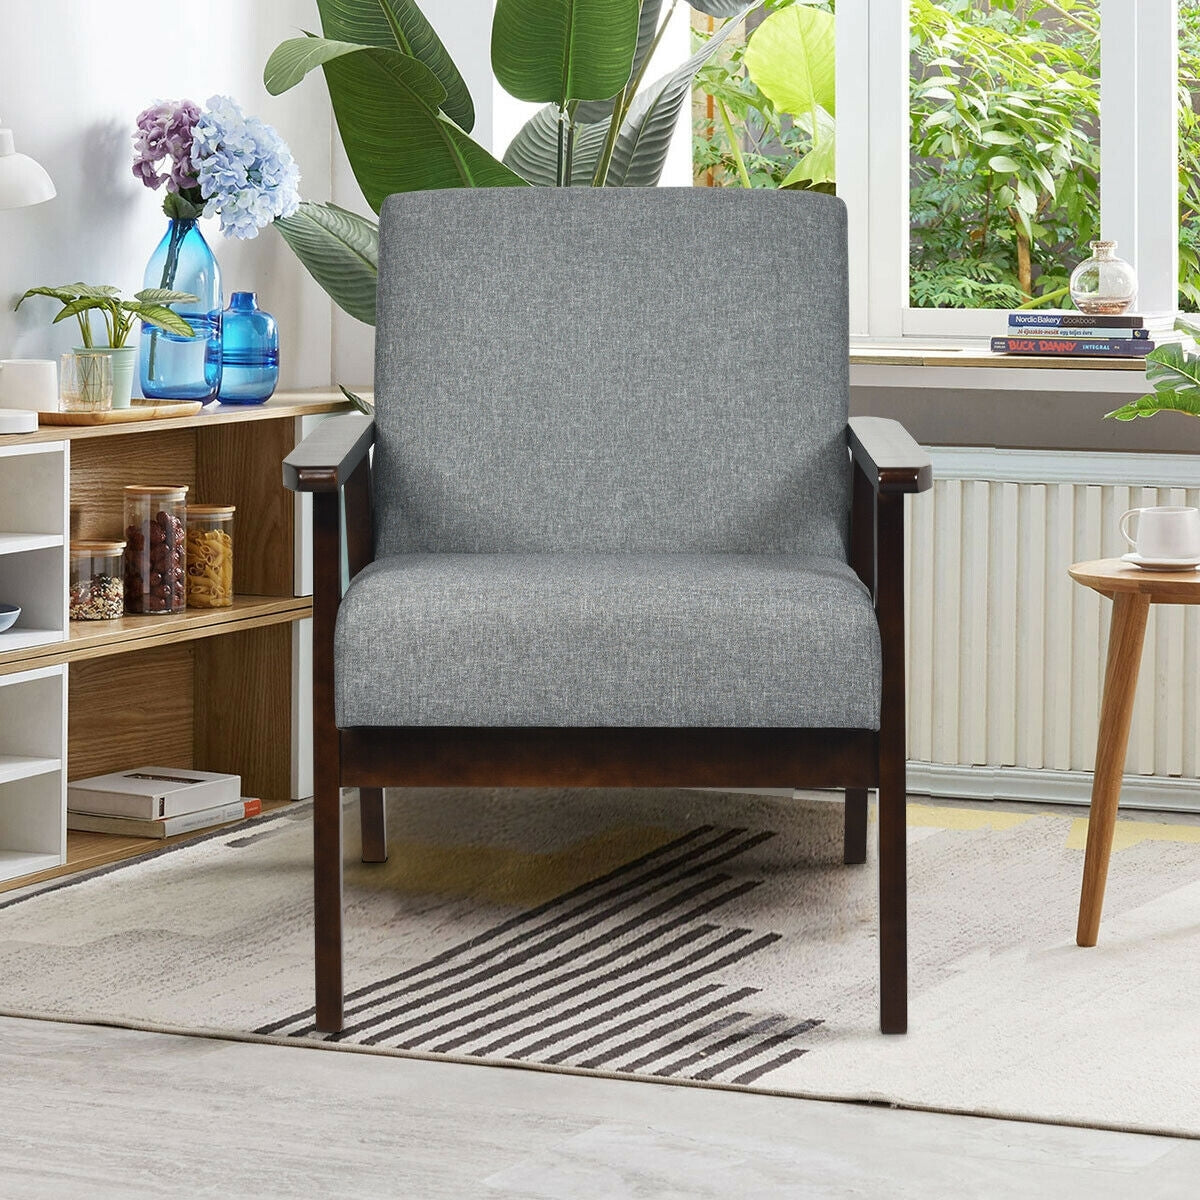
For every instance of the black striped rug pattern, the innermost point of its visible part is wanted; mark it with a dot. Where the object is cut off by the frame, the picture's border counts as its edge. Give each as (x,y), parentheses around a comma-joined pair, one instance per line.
(619,974)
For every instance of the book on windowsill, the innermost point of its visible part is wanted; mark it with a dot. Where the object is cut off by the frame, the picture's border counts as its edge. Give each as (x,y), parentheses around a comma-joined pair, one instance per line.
(205,818)
(152,793)
(1060,346)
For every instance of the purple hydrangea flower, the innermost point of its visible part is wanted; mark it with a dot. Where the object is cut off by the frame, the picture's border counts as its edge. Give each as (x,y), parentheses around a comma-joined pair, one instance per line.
(165,131)
(245,171)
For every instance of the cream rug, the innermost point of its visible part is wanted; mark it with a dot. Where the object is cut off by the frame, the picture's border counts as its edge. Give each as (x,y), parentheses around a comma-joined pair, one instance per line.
(682,936)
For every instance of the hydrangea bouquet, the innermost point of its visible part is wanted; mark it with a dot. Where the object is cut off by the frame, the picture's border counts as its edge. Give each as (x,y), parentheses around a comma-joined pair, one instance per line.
(217,162)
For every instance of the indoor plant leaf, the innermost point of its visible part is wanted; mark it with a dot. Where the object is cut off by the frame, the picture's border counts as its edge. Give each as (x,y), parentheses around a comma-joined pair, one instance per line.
(719,8)
(400,25)
(790,57)
(590,111)
(641,146)
(165,296)
(156,314)
(385,104)
(560,50)
(533,153)
(290,61)
(819,166)
(1176,381)
(80,305)
(340,250)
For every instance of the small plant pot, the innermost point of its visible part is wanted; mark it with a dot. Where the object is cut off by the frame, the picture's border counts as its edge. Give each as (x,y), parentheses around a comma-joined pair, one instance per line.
(124,366)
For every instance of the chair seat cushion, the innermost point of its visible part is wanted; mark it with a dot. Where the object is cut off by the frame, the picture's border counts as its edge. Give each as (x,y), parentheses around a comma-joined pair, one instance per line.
(608,640)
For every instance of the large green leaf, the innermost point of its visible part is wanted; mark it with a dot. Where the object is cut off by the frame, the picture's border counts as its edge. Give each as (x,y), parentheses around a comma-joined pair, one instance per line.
(560,50)
(645,136)
(590,111)
(818,167)
(791,58)
(290,61)
(400,25)
(533,153)
(340,249)
(1176,381)
(719,8)
(394,135)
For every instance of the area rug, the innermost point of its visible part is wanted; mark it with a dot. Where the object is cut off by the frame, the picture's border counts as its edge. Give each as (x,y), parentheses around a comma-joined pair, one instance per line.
(708,938)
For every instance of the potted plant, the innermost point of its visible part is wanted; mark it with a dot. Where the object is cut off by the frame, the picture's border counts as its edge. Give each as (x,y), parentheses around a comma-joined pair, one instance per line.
(80,300)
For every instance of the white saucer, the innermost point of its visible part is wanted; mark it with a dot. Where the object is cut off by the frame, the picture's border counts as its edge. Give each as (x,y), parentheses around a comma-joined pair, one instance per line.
(1162,564)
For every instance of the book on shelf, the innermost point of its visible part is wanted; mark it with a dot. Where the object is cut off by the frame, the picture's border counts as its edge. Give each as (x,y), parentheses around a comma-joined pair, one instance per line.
(152,793)
(1024,318)
(205,818)
(1059,347)
(1077,331)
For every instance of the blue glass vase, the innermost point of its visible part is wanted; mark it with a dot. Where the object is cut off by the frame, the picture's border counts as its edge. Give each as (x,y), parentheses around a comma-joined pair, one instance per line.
(181,368)
(249,352)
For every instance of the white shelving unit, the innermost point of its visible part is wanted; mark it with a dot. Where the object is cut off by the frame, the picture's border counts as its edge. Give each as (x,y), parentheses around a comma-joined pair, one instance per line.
(34,533)
(33,783)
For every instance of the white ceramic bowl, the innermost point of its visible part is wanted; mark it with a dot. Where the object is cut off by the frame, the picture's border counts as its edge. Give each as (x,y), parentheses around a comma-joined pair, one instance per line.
(10,614)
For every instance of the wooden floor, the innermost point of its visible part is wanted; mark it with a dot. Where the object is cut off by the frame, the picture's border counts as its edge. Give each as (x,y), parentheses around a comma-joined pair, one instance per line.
(88,850)
(98,1112)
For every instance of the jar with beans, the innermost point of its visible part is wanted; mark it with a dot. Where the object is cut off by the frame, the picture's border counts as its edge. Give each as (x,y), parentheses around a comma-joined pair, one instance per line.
(155,549)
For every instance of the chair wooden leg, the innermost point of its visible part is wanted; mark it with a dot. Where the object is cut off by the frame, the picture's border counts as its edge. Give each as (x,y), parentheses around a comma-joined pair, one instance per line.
(327,898)
(374,825)
(854,849)
(893,782)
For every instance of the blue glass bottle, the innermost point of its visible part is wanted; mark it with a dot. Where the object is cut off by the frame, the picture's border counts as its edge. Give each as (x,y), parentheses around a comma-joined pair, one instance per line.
(173,367)
(249,352)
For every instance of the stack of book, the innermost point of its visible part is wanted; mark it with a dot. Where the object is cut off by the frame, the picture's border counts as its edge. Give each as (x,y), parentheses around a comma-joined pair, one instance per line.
(1059,333)
(156,802)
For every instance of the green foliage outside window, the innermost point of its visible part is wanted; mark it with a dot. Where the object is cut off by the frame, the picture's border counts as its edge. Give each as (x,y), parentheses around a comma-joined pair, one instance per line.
(1005,154)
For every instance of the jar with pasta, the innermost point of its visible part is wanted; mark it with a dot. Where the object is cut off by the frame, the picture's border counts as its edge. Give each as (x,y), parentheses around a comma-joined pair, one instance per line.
(210,555)
(155,575)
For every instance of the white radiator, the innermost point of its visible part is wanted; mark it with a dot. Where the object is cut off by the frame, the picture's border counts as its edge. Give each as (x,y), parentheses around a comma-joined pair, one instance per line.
(1006,652)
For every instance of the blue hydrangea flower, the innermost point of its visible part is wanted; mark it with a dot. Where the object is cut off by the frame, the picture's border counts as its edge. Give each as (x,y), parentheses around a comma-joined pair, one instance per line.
(246,172)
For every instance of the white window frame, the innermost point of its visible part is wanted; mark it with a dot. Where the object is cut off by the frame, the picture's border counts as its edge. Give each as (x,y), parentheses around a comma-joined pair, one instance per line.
(1138,175)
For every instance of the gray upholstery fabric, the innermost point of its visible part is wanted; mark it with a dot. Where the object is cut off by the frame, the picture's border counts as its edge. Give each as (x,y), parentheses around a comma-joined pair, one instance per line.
(608,640)
(612,369)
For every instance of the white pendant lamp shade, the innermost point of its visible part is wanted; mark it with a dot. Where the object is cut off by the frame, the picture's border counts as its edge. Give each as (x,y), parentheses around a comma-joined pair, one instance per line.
(22,180)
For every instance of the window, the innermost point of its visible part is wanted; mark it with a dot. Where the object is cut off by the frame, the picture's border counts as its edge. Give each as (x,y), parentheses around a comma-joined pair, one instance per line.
(971,154)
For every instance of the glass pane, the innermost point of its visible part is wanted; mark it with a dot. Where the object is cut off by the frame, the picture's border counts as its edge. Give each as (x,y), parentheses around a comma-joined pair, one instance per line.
(763,106)
(1189,155)
(1005,155)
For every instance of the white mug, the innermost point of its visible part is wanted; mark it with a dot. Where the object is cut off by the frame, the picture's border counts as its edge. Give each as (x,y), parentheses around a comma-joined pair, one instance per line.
(30,383)
(1164,532)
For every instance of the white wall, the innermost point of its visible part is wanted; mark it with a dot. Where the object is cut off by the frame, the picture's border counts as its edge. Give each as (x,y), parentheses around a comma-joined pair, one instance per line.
(75,73)
(73,76)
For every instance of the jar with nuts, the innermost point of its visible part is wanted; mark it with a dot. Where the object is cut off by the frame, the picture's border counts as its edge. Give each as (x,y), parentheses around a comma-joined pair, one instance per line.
(155,549)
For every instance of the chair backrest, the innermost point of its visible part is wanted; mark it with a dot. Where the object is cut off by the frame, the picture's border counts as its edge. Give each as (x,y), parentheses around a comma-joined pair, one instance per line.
(642,369)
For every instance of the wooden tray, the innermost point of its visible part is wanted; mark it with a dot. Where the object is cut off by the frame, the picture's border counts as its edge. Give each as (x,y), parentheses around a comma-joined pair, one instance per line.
(139,410)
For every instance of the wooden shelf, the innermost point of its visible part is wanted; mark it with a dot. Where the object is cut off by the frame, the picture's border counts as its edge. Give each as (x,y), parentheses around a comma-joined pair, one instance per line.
(18,543)
(94,639)
(17,766)
(282,404)
(931,356)
(15,643)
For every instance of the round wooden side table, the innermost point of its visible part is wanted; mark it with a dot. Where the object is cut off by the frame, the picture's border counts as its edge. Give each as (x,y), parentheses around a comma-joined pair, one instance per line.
(1132,591)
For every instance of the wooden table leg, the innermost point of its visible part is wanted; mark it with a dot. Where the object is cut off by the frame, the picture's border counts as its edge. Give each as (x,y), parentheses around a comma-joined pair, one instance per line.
(1125,637)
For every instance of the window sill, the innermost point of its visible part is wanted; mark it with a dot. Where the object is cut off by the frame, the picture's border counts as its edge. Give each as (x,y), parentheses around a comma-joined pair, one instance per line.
(972,367)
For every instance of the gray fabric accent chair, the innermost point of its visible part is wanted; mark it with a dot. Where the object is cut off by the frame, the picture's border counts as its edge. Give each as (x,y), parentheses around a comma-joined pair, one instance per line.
(604,531)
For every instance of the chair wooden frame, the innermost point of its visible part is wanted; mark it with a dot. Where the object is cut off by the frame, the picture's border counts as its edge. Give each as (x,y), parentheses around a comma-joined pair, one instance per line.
(334,464)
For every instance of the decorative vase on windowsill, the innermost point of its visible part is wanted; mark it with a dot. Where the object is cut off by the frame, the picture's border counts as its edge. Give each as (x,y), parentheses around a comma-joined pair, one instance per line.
(216,162)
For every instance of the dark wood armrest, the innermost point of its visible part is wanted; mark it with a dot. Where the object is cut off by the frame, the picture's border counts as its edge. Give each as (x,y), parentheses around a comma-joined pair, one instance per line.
(326,459)
(888,456)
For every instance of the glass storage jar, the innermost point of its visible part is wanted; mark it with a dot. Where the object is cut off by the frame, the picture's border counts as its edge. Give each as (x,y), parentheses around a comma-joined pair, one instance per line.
(210,555)
(155,549)
(1104,283)
(97,589)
